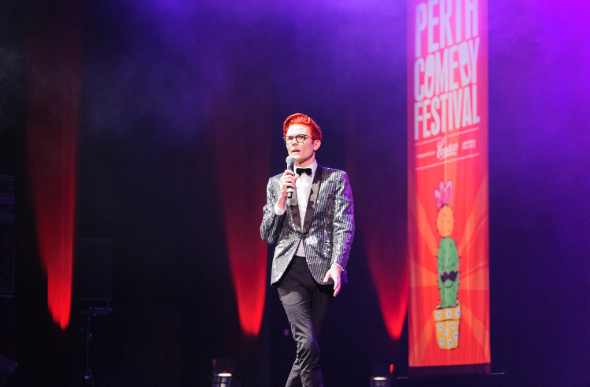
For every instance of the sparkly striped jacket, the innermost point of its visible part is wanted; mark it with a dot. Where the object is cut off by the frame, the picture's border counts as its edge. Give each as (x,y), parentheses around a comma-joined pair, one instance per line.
(328,229)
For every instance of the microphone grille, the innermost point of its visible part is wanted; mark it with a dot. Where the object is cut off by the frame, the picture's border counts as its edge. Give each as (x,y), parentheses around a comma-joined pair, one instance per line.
(290,159)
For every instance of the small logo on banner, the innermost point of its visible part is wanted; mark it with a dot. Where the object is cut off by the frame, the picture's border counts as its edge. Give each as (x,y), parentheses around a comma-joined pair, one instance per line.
(442,151)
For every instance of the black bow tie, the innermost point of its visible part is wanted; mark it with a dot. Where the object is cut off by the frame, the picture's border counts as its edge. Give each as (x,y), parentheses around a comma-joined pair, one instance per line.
(301,171)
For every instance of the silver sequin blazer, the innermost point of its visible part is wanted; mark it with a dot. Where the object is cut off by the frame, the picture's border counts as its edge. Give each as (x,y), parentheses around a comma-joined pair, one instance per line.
(327,231)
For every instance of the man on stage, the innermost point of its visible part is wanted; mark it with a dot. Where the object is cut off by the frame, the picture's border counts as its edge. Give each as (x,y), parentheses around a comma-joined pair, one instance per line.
(313,231)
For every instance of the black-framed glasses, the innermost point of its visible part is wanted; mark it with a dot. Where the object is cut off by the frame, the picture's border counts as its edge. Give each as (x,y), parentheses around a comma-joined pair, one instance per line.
(300,138)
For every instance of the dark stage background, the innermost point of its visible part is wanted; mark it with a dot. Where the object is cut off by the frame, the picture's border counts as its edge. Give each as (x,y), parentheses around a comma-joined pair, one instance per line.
(176,109)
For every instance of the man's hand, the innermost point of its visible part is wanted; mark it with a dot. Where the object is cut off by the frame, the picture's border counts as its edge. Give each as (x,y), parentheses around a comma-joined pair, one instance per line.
(287,180)
(335,272)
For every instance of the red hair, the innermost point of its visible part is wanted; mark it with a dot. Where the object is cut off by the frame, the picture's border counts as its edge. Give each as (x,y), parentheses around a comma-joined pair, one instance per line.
(299,118)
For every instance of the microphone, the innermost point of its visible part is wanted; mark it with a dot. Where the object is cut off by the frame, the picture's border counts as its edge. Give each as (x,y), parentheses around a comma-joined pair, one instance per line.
(291,167)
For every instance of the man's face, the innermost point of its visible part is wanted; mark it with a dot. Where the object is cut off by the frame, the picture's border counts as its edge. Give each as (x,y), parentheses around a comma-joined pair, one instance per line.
(304,153)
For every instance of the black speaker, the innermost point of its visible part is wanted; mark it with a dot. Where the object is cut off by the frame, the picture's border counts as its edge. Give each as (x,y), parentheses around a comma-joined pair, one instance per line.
(95,262)
(7,232)
(7,367)
(7,262)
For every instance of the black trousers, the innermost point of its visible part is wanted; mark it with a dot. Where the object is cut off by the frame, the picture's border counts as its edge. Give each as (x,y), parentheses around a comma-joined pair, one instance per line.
(306,303)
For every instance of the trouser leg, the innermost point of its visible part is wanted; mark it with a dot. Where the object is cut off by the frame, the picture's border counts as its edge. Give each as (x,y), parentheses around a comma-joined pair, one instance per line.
(306,304)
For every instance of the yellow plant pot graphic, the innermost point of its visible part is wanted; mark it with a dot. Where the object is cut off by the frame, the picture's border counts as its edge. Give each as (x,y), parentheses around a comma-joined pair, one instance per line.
(446,323)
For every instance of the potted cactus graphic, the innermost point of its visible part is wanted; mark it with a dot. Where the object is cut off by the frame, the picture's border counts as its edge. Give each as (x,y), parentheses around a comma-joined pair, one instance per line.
(447,314)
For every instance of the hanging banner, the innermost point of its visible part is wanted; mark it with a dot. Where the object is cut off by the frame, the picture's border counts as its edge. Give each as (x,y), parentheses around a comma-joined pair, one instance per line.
(448,187)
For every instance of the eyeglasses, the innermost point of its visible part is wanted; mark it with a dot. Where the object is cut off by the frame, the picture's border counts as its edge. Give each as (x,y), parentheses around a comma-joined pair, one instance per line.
(300,139)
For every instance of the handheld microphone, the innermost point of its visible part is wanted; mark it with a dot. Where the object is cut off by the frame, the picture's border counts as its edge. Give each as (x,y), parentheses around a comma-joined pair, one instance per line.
(291,167)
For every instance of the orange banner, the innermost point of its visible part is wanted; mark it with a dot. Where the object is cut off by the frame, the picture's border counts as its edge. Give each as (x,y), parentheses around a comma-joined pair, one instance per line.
(448,187)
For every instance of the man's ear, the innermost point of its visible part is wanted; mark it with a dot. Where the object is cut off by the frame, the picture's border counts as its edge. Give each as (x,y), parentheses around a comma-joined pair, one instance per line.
(316,145)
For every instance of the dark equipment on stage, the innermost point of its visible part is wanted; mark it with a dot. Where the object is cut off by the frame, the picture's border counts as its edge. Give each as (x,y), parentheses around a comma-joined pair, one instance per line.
(7,236)
(381,376)
(95,257)
(7,367)
(223,375)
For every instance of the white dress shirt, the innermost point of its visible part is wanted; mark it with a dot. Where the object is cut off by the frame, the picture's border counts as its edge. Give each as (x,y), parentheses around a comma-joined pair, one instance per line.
(303,185)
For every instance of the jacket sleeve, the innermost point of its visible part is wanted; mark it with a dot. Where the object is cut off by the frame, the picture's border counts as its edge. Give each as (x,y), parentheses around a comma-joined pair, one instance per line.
(343,222)
(272,223)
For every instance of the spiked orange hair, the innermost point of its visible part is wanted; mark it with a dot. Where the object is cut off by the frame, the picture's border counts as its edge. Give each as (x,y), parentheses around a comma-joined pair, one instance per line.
(299,118)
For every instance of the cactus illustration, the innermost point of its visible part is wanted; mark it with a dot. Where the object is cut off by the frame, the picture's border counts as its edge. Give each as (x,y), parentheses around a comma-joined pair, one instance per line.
(447,314)
(448,272)
(448,256)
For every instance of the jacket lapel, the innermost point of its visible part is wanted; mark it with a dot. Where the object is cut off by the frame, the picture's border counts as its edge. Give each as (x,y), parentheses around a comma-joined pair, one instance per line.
(295,210)
(313,195)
